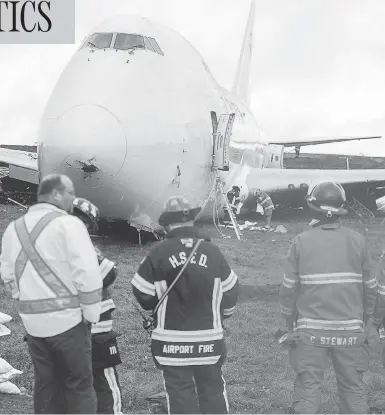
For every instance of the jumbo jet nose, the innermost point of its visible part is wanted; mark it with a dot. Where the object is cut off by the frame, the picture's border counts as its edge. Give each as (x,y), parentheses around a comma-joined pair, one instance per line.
(87,137)
(88,144)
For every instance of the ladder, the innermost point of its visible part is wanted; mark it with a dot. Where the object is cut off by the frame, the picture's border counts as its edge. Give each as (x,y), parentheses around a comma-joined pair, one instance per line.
(364,214)
(234,222)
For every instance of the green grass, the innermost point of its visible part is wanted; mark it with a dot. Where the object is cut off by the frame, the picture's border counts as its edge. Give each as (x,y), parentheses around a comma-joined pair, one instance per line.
(259,379)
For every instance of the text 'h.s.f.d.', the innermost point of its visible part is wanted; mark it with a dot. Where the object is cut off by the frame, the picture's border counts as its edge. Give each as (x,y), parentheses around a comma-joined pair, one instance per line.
(37,21)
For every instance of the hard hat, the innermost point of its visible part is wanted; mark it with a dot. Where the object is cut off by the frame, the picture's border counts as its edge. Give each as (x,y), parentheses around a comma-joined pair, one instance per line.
(84,208)
(177,210)
(327,197)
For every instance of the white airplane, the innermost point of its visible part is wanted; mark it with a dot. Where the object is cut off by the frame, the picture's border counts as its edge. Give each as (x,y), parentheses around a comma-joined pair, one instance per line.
(137,116)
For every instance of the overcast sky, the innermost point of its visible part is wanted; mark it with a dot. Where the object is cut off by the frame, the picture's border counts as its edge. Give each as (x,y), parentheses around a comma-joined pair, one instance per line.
(318,68)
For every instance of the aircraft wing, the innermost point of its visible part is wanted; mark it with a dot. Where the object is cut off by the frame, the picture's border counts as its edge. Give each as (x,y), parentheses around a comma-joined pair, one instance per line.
(25,159)
(289,186)
(289,142)
(22,164)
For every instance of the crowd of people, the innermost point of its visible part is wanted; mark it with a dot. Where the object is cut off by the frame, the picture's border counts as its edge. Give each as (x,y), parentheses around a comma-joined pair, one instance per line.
(332,304)
(61,283)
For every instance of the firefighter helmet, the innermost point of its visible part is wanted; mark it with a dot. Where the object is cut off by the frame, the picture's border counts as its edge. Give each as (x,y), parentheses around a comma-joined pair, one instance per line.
(177,210)
(327,197)
(86,211)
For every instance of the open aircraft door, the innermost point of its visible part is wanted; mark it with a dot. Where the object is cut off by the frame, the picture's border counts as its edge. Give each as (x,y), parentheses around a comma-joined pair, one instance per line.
(222,131)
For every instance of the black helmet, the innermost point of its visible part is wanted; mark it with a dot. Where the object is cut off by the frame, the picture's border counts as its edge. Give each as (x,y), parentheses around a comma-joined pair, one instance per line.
(86,211)
(327,197)
(177,209)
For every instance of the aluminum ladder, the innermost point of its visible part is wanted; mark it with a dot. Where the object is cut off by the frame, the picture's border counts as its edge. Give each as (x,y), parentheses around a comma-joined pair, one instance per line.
(234,222)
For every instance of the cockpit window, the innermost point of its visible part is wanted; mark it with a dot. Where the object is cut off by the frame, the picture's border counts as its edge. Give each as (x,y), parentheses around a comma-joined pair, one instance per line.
(124,41)
(155,45)
(99,40)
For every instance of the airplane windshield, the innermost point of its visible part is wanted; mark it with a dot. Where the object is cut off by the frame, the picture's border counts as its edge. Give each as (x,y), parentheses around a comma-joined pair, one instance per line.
(124,42)
(100,40)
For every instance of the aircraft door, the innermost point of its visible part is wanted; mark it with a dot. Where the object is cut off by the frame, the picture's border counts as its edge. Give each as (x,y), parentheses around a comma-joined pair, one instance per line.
(222,131)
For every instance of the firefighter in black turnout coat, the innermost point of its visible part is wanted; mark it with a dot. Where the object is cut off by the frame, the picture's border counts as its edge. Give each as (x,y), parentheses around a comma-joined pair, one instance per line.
(105,352)
(187,340)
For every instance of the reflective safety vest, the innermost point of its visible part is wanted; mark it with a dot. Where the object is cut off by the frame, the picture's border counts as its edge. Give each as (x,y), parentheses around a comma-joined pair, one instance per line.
(52,270)
(64,297)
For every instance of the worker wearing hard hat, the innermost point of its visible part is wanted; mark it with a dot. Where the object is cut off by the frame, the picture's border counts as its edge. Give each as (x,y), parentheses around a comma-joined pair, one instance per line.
(105,351)
(327,297)
(187,340)
(50,265)
(267,204)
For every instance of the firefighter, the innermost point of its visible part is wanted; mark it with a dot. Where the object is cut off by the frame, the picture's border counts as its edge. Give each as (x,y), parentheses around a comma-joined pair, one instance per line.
(105,351)
(49,264)
(234,201)
(327,300)
(187,340)
(268,206)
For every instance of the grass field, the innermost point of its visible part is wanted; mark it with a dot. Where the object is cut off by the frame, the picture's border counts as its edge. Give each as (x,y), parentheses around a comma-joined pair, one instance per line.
(258,377)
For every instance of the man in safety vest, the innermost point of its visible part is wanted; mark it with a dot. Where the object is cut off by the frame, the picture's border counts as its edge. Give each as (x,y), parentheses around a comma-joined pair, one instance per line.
(51,267)
(327,299)
(187,341)
(267,204)
(105,351)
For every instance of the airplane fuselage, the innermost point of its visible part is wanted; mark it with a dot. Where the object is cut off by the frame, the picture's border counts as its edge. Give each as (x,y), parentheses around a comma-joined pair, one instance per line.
(133,127)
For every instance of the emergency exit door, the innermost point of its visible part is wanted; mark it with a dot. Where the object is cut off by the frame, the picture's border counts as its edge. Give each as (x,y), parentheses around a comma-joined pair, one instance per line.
(222,131)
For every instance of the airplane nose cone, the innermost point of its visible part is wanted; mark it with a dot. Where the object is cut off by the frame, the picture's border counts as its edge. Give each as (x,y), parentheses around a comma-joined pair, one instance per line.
(84,136)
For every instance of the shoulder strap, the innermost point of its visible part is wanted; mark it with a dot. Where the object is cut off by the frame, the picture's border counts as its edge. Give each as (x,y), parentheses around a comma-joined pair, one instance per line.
(165,294)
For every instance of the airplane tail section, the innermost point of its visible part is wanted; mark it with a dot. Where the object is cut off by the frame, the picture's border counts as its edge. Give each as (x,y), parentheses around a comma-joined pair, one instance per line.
(241,86)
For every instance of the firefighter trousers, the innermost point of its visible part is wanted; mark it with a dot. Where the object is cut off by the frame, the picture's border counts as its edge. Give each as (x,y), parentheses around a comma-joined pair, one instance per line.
(108,393)
(63,372)
(309,363)
(207,395)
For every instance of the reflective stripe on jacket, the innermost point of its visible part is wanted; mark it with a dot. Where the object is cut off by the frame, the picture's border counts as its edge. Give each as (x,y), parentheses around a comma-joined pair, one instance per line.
(328,283)
(50,264)
(109,273)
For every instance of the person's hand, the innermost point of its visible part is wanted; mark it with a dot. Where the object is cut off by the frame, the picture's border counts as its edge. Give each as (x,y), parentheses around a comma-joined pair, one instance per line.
(287,338)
